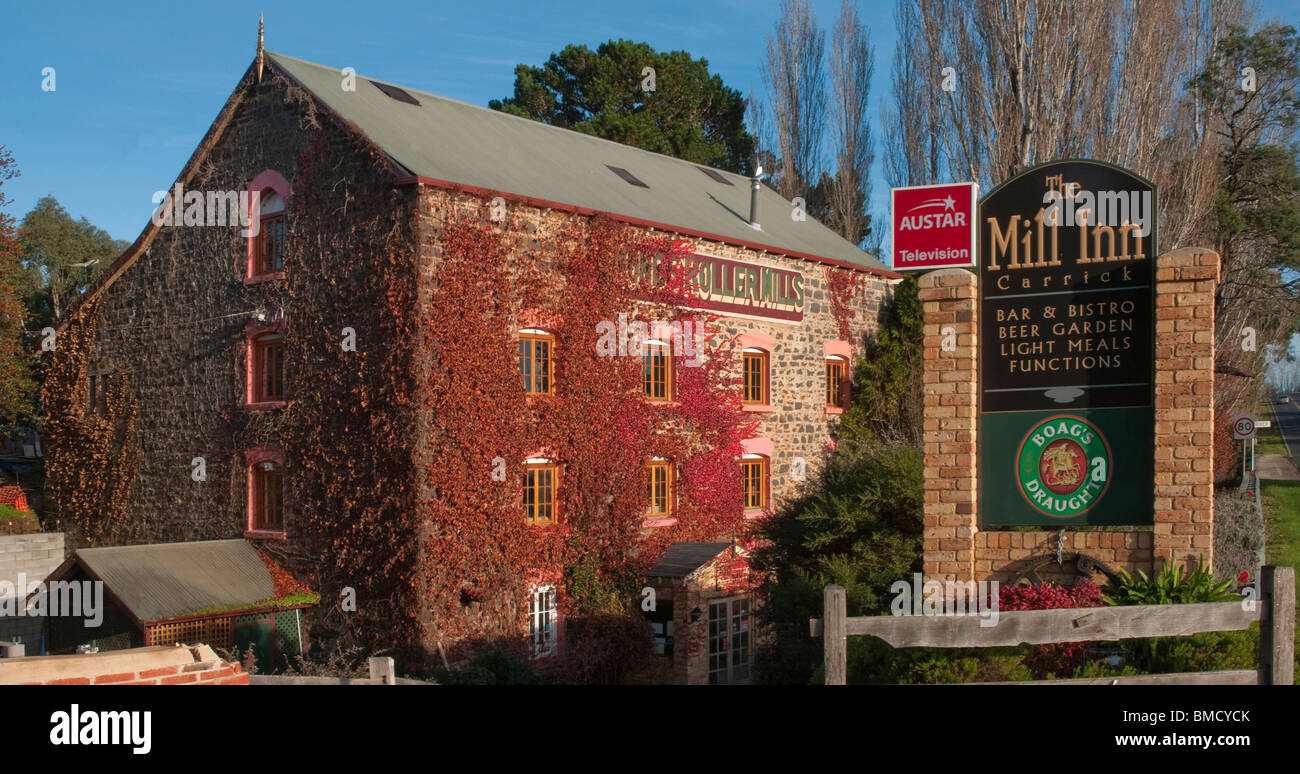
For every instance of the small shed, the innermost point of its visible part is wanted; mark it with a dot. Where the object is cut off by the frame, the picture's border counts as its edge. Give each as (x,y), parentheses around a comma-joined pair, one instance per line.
(702,615)
(223,593)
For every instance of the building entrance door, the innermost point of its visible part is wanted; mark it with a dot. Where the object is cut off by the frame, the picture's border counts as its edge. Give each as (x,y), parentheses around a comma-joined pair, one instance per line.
(729,641)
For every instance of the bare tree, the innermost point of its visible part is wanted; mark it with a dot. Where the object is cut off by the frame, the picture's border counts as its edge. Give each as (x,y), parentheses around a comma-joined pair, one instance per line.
(852,64)
(794,73)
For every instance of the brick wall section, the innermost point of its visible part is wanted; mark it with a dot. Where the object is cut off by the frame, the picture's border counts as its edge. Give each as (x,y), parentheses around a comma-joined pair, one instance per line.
(1184,513)
(954,548)
(158,665)
(1001,555)
(949,299)
(35,556)
(727,576)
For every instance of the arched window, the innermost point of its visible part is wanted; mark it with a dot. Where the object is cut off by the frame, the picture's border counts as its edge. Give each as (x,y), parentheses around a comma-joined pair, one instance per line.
(657,370)
(265,491)
(537,361)
(268,227)
(264,365)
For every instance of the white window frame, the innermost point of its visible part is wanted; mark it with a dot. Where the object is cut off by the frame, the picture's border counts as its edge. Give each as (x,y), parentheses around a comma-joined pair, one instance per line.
(543,621)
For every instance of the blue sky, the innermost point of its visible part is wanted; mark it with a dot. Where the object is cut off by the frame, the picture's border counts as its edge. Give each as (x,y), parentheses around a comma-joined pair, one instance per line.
(139,84)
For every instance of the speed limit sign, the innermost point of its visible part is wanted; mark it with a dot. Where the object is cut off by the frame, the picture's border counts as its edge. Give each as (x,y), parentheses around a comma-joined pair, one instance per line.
(1243,427)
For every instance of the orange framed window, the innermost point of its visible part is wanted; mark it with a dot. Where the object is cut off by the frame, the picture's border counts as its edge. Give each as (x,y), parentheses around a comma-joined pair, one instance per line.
(659,474)
(539,492)
(268,250)
(754,474)
(537,362)
(268,368)
(267,481)
(756,376)
(835,392)
(657,371)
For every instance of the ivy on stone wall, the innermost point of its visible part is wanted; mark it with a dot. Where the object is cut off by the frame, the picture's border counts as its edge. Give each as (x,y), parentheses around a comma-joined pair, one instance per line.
(91,458)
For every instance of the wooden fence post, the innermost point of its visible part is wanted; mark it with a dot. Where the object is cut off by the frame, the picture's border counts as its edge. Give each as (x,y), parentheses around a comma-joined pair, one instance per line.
(834,635)
(381,669)
(1277,631)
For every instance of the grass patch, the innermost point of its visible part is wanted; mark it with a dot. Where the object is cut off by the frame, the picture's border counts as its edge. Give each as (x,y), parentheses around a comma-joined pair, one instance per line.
(1281,501)
(1268,440)
(14,522)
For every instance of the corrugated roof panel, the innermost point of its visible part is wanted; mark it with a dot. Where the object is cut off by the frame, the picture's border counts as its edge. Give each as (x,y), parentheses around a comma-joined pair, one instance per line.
(167,580)
(682,559)
(456,142)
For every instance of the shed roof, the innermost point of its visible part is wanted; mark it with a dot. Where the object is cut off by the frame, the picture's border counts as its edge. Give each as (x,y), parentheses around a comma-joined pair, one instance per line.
(449,141)
(161,581)
(682,559)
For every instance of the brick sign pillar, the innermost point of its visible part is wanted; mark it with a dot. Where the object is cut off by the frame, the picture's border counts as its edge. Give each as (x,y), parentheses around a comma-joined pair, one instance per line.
(955,549)
(949,298)
(1184,507)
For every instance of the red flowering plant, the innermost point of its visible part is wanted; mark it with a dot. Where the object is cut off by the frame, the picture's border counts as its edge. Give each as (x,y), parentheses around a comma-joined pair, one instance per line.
(1061,658)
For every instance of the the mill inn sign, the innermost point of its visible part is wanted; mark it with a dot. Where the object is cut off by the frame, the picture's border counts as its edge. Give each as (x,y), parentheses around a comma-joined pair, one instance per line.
(1066,347)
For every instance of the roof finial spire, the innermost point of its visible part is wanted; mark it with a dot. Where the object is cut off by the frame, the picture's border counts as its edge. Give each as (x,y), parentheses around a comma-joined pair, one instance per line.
(260,51)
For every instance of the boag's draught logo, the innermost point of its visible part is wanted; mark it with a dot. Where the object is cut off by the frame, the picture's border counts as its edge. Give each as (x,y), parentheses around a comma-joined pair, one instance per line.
(1063,466)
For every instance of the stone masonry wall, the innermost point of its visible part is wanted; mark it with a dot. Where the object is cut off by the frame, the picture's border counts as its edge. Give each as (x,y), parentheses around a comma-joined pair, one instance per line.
(799,424)
(174,323)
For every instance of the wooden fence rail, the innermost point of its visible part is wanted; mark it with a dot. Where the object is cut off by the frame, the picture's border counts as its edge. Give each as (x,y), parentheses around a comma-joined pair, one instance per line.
(1275,610)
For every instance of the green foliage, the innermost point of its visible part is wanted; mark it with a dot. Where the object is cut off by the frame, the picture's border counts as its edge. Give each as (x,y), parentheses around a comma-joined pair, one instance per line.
(492,667)
(1174,584)
(296,599)
(690,114)
(872,661)
(14,522)
(859,527)
(593,591)
(1207,651)
(887,385)
(54,247)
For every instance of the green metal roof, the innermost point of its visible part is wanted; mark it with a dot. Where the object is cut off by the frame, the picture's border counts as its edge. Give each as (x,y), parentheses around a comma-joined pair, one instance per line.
(454,142)
(167,580)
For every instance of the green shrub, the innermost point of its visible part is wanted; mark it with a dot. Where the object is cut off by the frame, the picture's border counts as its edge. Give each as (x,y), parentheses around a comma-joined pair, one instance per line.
(1174,584)
(859,527)
(1204,652)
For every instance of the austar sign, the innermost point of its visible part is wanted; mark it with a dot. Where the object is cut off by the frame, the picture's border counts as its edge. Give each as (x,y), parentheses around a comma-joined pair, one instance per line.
(934,226)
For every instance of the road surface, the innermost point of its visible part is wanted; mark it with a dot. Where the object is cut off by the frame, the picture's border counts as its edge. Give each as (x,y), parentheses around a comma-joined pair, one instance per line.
(1276,467)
